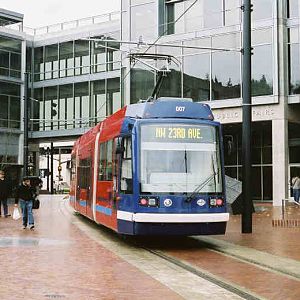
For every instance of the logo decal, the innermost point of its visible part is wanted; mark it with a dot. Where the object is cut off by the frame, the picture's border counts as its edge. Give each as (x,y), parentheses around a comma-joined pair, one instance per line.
(201,202)
(168,202)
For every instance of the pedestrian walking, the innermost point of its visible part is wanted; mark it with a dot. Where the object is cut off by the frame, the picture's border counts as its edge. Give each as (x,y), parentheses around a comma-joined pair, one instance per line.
(25,195)
(5,189)
(296,188)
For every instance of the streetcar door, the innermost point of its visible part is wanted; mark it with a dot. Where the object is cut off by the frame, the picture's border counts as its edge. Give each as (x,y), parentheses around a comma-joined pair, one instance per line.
(104,193)
(83,185)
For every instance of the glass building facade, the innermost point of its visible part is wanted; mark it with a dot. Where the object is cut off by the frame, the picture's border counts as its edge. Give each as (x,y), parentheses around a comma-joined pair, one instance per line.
(212,73)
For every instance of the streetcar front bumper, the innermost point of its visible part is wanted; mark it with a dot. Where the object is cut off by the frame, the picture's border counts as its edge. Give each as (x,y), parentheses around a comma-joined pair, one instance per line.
(171,224)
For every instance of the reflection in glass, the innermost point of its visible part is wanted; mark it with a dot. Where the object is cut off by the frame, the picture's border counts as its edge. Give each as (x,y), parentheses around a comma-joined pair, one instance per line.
(51,107)
(143,21)
(226,80)
(262,71)
(67,101)
(66,56)
(39,63)
(113,95)
(232,12)
(262,9)
(293,8)
(51,61)
(82,58)
(196,77)
(212,12)
(4,63)
(294,69)
(81,99)
(4,111)
(142,84)
(99,101)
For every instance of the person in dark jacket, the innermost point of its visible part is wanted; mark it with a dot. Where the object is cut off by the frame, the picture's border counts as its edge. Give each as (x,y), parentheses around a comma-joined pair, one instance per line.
(25,193)
(5,189)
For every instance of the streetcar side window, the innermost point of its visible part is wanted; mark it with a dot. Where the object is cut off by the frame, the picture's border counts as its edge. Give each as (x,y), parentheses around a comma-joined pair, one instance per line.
(73,168)
(126,167)
(84,173)
(105,161)
(108,169)
(102,162)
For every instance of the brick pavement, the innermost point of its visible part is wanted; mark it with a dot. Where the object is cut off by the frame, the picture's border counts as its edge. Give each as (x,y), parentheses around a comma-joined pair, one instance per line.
(65,258)
(58,261)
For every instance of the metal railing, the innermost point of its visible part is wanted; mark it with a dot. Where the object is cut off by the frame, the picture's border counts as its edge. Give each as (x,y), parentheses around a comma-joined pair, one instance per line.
(104,18)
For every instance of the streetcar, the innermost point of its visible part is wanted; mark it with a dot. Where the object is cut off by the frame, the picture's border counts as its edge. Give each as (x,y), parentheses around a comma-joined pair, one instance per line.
(152,168)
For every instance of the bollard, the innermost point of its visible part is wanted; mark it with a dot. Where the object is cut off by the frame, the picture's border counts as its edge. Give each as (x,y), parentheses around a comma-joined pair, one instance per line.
(282,208)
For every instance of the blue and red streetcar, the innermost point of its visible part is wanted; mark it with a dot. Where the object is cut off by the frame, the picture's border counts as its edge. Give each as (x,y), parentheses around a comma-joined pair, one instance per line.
(152,168)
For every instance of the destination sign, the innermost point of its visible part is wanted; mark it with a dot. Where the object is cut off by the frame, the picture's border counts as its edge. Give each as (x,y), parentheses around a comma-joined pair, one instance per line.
(179,133)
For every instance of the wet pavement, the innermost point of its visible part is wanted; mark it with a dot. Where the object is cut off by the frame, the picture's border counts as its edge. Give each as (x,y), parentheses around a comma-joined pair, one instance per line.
(69,257)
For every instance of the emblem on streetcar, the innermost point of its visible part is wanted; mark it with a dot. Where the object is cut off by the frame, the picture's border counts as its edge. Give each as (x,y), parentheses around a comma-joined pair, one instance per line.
(168,202)
(201,202)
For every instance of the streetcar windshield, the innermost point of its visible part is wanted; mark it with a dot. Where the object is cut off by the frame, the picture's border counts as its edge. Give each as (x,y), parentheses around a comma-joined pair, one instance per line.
(177,158)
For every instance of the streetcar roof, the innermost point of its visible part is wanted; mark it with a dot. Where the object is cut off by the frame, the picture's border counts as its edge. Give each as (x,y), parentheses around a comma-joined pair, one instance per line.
(170,108)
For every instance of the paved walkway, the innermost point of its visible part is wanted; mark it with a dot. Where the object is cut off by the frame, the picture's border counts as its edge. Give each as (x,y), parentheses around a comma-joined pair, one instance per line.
(68,257)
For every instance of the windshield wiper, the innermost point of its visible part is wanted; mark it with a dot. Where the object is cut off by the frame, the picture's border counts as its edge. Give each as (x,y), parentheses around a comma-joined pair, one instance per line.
(200,187)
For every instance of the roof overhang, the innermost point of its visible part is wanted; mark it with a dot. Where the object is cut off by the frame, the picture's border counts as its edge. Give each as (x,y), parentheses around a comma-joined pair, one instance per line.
(8,17)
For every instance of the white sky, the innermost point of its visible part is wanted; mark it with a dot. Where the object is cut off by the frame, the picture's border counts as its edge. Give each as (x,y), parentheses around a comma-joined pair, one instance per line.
(39,13)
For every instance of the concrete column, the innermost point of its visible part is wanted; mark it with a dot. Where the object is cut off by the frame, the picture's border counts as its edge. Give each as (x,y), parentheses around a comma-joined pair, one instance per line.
(280,146)
(280,160)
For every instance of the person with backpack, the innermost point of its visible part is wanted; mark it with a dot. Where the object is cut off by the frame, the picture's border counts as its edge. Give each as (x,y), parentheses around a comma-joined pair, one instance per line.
(25,195)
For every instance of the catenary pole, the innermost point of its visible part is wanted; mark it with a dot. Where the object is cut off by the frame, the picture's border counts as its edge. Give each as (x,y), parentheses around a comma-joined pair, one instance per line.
(246,94)
(26,119)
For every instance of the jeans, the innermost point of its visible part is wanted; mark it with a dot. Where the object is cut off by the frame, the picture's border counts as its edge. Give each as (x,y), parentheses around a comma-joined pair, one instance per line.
(296,194)
(5,208)
(26,207)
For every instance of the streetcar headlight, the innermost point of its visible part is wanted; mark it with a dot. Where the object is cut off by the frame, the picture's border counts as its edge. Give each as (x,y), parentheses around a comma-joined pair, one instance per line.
(216,202)
(213,202)
(150,202)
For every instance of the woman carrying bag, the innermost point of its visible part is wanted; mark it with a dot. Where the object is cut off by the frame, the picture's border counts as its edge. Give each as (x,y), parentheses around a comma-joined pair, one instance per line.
(25,194)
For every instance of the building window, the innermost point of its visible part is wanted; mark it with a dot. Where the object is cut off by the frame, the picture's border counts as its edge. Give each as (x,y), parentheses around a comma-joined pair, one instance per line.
(143,21)
(82,57)
(10,57)
(179,16)
(293,8)
(294,60)
(262,9)
(66,59)
(10,115)
(262,62)
(51,61)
